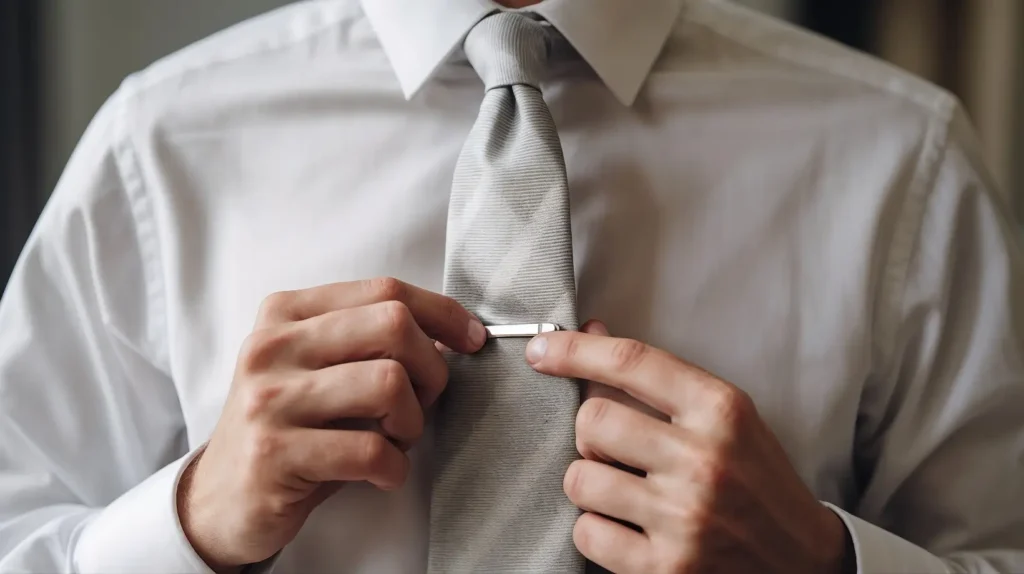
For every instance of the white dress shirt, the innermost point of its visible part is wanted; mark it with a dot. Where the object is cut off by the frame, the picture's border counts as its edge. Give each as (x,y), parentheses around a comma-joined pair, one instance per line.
(802,220)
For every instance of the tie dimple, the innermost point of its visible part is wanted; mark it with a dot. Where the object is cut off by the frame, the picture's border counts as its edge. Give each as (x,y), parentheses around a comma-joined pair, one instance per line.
(508,49)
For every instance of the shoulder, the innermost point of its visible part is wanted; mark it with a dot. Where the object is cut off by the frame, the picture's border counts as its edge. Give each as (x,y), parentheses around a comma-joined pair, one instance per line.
(248,66)
(777,77)
(747,41)
(297,30)
(230,81)
(803,70)
(218,83)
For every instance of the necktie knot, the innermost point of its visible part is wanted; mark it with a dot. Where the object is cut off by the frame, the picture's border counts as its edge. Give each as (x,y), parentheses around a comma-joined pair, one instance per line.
(508,48)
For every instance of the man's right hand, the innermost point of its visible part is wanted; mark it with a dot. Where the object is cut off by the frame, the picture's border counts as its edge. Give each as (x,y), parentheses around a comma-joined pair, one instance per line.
(321,369)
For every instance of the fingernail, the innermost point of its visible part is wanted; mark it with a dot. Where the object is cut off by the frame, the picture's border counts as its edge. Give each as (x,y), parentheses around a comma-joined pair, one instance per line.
(477,333)
(536,349)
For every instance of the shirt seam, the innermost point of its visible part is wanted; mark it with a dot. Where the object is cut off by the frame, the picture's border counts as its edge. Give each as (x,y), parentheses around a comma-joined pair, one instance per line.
(162,71)
(906,233)
(146,230)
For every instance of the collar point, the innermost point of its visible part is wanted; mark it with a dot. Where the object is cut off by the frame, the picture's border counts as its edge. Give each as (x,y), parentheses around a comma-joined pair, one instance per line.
(625,89)
(410,87)
(627,97)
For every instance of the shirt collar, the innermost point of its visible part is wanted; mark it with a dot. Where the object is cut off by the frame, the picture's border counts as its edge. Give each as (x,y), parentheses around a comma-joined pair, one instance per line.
(620,39)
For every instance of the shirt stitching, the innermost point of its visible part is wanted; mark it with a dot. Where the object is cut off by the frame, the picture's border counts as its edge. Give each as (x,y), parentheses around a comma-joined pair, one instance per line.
(146,232)
(905,239)
(132,174)
(169,68)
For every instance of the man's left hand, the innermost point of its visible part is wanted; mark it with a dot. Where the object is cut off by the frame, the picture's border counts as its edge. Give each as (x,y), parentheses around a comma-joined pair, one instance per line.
(715,491)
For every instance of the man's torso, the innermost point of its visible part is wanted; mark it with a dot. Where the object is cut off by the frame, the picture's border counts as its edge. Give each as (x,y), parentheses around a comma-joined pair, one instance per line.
(738,215)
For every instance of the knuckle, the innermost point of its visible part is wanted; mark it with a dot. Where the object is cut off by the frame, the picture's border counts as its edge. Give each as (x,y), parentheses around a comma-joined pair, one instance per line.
(263,447)
(675,511)
(712,471)
(387,289)
(569,351)
(582,536)
(392,380)
(679,447)
(302,385)
(451,310)
(731,406)
(374,449)
(628,353)
(397,318)
(258,401)
(276,304)
(572,483)
(592,414)
(261,348)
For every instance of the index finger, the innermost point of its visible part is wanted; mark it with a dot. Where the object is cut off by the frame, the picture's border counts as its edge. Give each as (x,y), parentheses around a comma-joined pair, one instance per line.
(650,375)
(441,318)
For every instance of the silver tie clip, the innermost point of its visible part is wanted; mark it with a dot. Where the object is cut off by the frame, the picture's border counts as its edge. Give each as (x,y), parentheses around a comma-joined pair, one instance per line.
(525,330)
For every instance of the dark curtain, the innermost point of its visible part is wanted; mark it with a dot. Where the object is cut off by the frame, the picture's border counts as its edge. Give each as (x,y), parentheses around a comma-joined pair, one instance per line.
(20,200)
(1018,143)
(850,22)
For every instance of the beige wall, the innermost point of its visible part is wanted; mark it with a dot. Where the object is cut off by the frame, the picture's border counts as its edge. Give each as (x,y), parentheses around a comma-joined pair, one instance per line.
(785,9)
(979,55)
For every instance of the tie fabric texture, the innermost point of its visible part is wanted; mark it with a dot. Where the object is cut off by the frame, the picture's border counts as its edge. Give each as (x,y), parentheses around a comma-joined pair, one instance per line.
(505,433)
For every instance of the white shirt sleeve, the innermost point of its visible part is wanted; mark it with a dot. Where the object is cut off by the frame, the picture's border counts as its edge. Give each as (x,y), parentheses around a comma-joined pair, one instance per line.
(940,437)
(880,551)
(92,432)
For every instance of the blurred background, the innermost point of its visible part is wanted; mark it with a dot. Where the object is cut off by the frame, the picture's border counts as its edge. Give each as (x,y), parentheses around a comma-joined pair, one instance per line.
(60,59)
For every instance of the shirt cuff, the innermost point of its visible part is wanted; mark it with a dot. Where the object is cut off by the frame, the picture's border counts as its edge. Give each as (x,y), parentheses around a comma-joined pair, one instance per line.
(140,531)
(879,551)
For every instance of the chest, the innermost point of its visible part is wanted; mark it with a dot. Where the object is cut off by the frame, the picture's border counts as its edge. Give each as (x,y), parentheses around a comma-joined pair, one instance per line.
(675,243)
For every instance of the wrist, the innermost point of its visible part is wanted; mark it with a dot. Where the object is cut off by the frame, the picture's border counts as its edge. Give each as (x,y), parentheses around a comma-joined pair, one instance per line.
(190,520)
(838,555)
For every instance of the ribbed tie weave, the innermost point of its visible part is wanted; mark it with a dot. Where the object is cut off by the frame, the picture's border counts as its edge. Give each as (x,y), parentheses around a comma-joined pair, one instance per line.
(505,434)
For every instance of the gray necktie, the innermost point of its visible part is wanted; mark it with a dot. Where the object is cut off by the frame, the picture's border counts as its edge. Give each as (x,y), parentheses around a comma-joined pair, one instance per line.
(505,434)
